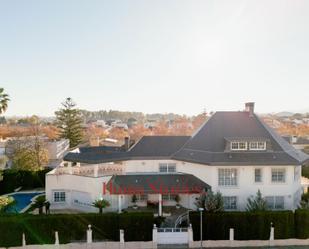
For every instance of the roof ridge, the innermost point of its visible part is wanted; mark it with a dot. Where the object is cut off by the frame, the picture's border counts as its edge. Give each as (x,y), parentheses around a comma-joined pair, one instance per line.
(192,136)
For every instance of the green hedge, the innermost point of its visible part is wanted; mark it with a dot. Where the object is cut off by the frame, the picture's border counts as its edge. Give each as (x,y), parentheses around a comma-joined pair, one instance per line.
(247,226)
(302,224)
(13,179)
(137,226)
(39,229)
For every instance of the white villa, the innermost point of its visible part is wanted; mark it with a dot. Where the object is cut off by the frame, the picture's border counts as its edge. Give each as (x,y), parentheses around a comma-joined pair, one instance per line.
(235,153)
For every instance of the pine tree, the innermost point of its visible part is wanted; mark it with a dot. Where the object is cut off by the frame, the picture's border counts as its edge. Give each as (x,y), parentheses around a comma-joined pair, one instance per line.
(257,203)
(69,122)
(214,202)
(210,201)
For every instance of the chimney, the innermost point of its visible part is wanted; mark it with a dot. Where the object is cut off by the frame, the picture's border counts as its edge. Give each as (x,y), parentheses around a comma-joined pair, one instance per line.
(250,108)
(126,143)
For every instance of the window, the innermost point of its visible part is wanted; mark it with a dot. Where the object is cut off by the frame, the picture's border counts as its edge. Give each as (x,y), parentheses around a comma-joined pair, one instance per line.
(172,167)
(168,197)
(227,177)
(278,175)
(142,197)
(59,196)
(257,175)
(238,145)
(163,167)
(230,202)
(257,145)
(167,167)
(275,202)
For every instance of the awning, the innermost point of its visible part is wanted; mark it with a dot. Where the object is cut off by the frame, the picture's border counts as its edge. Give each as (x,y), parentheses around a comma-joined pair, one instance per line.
(155,184)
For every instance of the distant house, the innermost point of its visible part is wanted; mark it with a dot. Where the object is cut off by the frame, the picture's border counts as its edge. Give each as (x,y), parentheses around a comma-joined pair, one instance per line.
(56,149)
(100,123)
(120,125)
(234,153)
(150,123)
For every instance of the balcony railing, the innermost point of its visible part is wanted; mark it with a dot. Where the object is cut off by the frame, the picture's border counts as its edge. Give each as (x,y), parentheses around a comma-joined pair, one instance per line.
(91,170)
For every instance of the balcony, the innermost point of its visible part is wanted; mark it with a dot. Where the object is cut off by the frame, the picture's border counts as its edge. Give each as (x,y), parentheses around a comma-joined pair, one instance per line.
(90,170)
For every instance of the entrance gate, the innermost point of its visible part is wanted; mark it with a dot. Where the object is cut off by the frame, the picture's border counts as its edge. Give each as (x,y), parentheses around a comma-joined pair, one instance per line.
(173,236)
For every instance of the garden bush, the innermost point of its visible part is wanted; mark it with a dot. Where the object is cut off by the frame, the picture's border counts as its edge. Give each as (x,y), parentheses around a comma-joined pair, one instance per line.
(247,225)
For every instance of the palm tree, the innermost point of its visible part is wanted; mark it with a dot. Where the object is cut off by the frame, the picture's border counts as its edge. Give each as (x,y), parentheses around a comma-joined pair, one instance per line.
(4,99)
(101,204)
(40,203)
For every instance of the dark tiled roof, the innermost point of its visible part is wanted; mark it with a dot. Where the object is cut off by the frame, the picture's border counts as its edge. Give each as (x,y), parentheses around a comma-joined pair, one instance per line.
(101,149)
(148,147)
(208,145)
(158,146)
(156,183)
(95,158)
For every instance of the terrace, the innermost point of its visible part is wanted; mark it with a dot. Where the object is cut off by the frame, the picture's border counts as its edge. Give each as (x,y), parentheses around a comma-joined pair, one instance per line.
(96,170)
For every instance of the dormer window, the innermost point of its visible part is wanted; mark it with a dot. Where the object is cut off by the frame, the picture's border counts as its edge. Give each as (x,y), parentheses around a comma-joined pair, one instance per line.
(254,145)
(238,145)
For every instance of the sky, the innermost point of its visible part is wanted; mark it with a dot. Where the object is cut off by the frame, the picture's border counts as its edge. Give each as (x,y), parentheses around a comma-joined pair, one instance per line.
(155,55)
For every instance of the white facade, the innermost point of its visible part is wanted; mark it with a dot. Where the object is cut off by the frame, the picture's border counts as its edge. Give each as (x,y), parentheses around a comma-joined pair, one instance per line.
(84,184)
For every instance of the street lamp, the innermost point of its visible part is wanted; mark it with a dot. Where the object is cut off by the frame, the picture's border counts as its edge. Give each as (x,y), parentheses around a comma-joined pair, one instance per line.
(201,225)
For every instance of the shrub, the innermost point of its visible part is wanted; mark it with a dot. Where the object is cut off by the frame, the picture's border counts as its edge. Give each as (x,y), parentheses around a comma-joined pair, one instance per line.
(101,204)
(134,199)
(6,202)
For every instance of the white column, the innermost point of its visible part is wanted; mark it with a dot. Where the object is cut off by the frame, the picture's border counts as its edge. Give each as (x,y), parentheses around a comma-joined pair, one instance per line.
(119,204)
(190,236)
(121,236)
(160,204)
(154,236)
(272,232)
(121,241)
(95,170)
(89,235)
(56,239)
(24,240)
(231,234)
